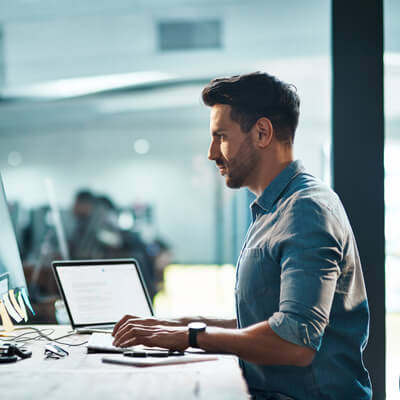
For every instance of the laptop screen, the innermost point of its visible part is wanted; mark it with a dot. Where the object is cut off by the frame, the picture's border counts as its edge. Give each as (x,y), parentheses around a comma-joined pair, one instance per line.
(101,292)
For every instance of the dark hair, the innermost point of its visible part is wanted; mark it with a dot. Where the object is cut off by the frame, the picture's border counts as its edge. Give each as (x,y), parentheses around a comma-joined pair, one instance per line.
(257,95)
(85,196)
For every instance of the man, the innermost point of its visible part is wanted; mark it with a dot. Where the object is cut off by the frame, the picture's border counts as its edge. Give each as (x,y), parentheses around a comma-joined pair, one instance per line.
(302,311)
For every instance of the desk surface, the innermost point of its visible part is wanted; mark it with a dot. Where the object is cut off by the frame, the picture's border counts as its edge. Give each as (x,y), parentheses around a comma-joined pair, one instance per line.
(84,376)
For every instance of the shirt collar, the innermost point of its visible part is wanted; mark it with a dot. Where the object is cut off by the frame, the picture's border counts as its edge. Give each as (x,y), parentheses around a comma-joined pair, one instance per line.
(276,187)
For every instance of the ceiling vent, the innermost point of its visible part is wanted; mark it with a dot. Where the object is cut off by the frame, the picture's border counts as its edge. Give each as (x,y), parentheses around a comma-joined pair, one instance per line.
(189,35)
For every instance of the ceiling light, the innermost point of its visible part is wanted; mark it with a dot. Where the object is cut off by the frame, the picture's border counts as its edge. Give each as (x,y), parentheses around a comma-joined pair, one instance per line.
(142,146)
(14,158)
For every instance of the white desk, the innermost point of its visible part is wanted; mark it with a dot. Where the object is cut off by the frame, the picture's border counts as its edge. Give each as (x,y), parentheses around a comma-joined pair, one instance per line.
(84,376)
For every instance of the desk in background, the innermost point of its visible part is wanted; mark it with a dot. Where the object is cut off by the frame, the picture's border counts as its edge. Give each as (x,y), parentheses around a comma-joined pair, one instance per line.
(84,376)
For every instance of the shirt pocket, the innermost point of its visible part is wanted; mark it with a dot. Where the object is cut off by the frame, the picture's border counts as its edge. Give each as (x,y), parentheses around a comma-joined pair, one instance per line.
(251,280)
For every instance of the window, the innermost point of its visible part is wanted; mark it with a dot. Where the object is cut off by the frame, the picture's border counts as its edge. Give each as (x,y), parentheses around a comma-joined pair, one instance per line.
(138,134)
(392,209)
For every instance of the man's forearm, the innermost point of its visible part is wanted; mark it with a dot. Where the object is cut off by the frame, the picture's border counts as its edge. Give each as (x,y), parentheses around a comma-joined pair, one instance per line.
(258,344)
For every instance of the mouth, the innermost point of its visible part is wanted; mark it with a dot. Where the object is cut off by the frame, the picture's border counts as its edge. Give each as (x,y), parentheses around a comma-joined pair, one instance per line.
(222,170)
(221,166)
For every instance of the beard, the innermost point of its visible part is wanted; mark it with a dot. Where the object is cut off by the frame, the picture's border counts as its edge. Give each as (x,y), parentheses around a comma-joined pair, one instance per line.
(241,166)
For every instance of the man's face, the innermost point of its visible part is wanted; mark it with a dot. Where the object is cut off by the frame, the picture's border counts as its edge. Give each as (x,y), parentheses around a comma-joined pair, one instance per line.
(82,209)
(231,148)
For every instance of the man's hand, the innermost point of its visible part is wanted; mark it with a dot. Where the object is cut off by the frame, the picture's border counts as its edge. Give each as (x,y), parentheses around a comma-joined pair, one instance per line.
(131,333)
(137,320)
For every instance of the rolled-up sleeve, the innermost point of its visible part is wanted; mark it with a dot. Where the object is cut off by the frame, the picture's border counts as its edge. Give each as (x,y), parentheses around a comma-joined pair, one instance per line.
(307,246)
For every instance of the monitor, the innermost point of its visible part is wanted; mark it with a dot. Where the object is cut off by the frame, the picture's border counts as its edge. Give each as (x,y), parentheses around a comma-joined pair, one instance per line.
(10,261)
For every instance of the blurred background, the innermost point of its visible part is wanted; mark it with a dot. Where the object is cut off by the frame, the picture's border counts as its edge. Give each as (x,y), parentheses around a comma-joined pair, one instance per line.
(104,139)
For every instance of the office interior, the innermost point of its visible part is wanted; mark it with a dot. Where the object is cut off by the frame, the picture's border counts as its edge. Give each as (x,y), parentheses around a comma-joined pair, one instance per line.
(101,123)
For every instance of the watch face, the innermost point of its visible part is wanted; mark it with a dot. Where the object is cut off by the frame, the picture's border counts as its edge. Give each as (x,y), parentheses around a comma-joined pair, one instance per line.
(197,325)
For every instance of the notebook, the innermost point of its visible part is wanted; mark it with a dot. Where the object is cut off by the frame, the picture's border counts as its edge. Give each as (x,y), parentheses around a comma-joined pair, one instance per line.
(98,293)
(155,362)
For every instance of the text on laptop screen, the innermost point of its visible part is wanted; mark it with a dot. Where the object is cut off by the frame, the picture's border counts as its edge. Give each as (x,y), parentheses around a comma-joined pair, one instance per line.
(103,293)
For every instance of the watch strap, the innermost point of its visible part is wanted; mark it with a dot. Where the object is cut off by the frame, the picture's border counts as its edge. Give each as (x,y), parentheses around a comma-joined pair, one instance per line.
(193,337)
(194,329)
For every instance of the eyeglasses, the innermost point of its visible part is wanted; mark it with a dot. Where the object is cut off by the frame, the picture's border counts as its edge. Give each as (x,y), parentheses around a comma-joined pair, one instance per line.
(51,350)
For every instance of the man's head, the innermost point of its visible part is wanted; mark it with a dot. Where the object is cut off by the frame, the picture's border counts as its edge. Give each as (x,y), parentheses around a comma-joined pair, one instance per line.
(248,112)
(83,205)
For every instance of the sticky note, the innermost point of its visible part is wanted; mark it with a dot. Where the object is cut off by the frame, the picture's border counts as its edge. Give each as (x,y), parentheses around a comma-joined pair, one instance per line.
(22,305)
(14,302)
(26,300)
(5,319)
(10,309)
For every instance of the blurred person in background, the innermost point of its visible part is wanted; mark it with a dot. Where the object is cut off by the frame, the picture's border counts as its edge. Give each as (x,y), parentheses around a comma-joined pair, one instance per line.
(97,235)
(82,209)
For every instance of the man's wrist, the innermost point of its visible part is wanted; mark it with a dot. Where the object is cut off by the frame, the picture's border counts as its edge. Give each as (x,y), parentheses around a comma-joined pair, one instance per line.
(194,329)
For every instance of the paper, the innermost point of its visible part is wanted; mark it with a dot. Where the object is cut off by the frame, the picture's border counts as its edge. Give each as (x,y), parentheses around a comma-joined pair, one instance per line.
(5,319)
(11,312)
(155,362)
(16,306)
(22,305)
(26,300)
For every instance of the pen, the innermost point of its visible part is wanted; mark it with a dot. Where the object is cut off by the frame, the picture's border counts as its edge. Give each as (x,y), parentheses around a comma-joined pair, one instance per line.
(160,354)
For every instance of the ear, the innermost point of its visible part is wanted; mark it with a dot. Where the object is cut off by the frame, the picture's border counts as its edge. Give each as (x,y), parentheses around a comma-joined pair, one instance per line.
(264,132)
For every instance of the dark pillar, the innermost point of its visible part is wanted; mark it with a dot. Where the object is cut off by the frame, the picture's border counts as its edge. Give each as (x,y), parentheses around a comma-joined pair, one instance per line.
(358,145)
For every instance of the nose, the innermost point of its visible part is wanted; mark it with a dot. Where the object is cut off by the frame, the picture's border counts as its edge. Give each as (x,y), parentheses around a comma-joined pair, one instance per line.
(213,151)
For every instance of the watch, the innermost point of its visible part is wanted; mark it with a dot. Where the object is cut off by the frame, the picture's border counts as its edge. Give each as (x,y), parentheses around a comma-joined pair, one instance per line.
(194,329)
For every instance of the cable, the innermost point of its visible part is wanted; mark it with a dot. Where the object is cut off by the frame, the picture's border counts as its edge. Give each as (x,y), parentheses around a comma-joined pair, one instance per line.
(40,334)
(22,337)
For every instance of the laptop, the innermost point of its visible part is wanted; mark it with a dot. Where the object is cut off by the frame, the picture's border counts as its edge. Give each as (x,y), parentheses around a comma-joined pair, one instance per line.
(98,293)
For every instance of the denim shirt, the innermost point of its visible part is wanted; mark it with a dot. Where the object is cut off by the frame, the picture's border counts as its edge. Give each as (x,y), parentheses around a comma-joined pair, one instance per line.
(299,269)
